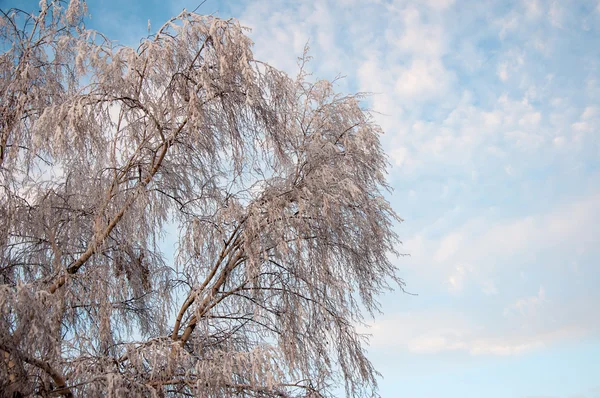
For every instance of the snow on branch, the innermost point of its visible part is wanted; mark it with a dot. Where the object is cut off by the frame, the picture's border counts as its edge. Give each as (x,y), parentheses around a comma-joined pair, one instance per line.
(274,185)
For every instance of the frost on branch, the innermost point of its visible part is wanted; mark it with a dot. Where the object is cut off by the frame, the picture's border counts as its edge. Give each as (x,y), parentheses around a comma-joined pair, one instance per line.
(274,185)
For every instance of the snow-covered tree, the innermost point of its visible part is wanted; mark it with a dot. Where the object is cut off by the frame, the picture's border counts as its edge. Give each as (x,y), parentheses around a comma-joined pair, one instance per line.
(272,185)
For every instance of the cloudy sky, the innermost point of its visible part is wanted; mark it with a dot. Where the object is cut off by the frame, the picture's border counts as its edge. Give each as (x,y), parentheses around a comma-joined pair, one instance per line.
(492,118)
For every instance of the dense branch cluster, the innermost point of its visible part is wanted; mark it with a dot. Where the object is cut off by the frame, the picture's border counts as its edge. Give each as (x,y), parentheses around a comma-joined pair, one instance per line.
(274,185)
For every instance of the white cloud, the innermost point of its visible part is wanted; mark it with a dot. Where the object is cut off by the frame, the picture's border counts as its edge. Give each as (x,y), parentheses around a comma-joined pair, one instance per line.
(399,156)
(555,14)
(527,140)
(559,141)
(584,125)
(508,23)
(456,280)
(497,347)
(450,331)
(510,64)
(503,72)
(472,256)
(488,287)
(566,226)
(440,5)
(589,113)
(422,79)
(533,8)
(449,245)
(585,129)
(467,131)
(530,119)
(413,37)
(470,259)
(527,305)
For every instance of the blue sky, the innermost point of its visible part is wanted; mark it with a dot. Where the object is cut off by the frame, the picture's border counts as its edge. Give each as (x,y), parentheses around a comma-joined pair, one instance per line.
(492,118)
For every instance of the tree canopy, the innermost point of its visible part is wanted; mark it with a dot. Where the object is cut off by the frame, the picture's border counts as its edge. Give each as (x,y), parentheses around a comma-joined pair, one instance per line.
(273,185)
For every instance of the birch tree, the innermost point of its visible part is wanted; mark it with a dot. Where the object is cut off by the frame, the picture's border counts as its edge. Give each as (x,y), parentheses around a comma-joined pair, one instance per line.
(272,185)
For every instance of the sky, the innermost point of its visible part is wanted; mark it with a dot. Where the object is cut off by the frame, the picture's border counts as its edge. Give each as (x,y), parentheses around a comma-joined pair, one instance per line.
(492,118)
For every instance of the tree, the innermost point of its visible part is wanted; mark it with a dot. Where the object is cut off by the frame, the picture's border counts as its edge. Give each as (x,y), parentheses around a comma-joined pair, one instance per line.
(275,185)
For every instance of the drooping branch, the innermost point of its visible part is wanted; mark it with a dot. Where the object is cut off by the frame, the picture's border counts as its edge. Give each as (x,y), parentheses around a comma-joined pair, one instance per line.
(99,239)
(57,377)
(229,246)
